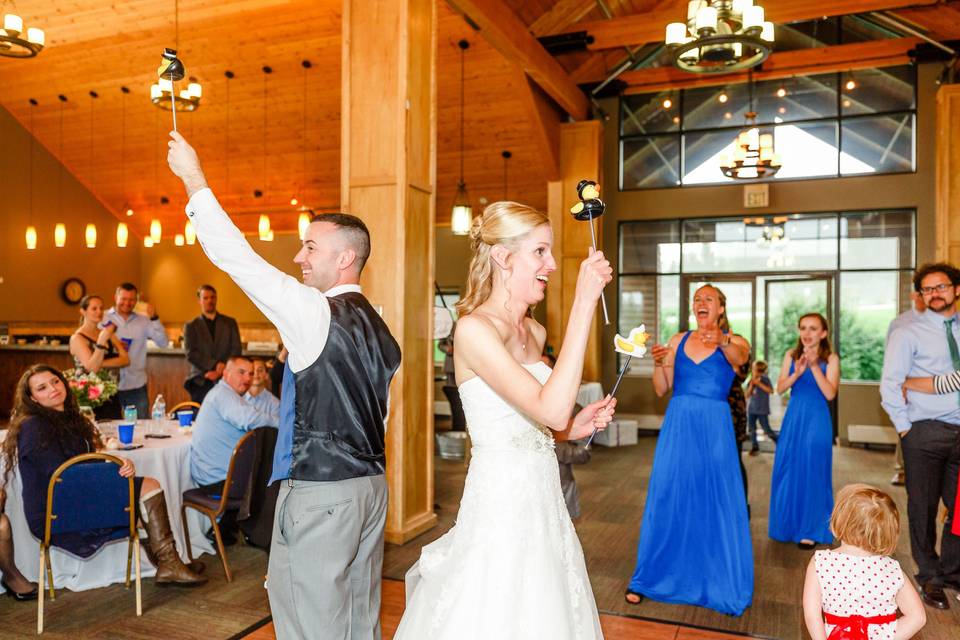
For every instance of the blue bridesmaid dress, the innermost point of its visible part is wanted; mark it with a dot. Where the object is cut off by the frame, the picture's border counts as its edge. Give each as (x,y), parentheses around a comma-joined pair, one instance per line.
(695,538)
(801,492)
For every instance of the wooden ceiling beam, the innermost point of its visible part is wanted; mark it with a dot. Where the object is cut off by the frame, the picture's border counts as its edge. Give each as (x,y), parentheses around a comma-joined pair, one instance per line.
(561,15)
(545,122)
(844,57)
(641,28)
(506,33)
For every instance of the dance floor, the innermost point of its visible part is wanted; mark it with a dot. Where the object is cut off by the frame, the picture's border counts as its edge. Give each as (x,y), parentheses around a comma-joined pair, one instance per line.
(612,490)
(614,627)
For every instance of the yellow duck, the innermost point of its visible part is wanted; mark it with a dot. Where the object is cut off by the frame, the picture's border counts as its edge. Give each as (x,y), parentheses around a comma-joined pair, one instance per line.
(634,344)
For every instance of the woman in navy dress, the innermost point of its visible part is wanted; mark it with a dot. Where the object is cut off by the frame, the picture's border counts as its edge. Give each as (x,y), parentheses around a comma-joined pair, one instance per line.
(801,492)
(47,429)
(695,538)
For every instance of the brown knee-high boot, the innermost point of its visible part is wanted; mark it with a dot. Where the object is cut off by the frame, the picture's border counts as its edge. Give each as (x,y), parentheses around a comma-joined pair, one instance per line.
(161,547)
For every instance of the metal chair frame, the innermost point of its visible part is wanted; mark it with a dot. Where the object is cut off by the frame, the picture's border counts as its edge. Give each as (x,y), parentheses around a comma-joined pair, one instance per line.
(133,542)
(181,405)
(214,514)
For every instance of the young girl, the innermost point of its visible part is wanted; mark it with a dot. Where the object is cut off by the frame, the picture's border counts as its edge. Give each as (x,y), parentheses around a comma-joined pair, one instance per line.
(758,408)
(853,592)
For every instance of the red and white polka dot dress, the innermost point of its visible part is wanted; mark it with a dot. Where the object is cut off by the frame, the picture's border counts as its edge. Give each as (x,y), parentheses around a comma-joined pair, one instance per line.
(859,586)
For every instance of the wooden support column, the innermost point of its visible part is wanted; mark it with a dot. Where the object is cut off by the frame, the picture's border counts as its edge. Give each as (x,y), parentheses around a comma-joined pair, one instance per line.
(580,159)
(388,175)
(948,173)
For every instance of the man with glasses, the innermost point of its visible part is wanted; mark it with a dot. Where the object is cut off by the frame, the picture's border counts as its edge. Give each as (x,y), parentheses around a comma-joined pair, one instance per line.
(928,425)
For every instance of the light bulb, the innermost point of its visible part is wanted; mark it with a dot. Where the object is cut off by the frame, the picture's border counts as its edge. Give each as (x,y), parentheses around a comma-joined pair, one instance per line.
(723,98)
(31,237)
(189,234)
(461,218)
(129,212)
(156,231)
(294,202)
(676,33)
(667,103)
(123,234)
(781,92)
(60,235)
(90,236)
(263,226)
(303,222)
(851,84)
(178,240)
(36,36)
(753,18)
(195,90)
(706,19)
(12,23)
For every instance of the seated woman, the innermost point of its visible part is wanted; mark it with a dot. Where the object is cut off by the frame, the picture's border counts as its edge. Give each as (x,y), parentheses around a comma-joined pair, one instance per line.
(15,584)
(46,430)
(94,349)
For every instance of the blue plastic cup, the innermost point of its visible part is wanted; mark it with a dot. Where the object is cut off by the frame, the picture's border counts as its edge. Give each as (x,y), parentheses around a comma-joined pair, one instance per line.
(125,432)
(185,418)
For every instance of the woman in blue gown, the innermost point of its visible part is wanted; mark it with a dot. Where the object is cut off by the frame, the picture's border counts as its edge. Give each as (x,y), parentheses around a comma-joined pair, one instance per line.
(695,537)
(801,492)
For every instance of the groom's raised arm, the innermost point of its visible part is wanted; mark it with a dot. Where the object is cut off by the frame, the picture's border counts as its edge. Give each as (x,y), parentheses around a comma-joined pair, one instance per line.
(300,313)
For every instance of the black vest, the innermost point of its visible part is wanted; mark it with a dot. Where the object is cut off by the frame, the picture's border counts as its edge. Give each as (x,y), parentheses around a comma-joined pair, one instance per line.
(341,399)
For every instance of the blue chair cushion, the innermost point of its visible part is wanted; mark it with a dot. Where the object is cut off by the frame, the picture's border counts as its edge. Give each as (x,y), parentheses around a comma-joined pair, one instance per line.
(90,496)
(208,501)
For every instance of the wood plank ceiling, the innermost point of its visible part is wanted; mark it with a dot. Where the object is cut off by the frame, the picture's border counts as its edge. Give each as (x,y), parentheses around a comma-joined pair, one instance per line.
(96,46)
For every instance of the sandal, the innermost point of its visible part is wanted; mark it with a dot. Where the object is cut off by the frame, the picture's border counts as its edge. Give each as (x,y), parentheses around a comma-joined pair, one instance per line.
(629,593)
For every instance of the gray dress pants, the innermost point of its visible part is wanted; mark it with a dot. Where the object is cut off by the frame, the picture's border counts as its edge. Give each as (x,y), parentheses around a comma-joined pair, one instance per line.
(326,557)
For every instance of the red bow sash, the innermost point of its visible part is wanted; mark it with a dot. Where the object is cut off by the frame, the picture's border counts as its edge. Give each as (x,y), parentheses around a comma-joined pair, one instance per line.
(854,627)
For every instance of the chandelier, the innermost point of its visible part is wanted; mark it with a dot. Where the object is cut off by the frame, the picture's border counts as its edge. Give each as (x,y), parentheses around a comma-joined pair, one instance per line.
(720,36)
(162,95)
(752,155)
(12,42)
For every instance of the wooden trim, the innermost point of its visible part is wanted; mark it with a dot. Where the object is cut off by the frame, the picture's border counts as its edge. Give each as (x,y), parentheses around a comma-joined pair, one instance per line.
(641,28)
(948,178)
(506,33)
(844,57)
(413,527)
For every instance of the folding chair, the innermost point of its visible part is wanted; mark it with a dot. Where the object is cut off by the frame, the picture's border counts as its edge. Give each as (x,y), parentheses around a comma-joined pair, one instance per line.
(70,510)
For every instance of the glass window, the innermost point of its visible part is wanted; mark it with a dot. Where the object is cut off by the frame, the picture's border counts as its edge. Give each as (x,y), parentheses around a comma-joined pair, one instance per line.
(868,302)
(806,149)
(649,162)
(877,144)
(879,90)
(653,301)
(877,240)
(653,247)
(711,107)
(646,113)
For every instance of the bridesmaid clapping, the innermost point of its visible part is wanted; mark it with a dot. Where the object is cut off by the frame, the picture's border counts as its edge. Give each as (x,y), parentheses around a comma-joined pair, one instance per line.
(801,493)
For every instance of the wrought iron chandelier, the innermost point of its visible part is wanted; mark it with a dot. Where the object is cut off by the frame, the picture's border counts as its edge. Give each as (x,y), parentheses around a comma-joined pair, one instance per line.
(752,155)
(13,44)
(720,36)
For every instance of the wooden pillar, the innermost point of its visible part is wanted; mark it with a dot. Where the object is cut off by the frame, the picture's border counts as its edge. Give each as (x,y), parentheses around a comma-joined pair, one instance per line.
(388,174)
(948,173)
(580,159)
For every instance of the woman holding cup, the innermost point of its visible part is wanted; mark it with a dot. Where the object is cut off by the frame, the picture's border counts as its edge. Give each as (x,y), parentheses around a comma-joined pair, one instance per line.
(95,346)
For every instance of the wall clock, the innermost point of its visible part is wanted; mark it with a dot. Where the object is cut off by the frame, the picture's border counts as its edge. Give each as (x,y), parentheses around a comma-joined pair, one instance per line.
(73,290)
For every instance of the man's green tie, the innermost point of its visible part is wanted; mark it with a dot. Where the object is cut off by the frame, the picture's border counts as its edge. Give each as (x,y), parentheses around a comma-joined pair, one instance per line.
(952,344)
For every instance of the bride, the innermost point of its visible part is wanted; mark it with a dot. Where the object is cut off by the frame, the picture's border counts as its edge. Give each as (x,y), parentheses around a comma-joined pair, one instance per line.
(512,567)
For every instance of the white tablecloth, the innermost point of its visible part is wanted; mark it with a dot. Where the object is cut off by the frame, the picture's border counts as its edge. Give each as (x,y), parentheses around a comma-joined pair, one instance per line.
(167,460)
(589,392)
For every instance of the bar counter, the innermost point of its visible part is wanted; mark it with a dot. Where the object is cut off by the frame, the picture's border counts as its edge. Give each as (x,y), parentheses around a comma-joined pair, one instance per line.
(166,369)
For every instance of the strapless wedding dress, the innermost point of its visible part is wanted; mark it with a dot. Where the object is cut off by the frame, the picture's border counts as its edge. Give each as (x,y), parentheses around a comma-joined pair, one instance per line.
(512,567)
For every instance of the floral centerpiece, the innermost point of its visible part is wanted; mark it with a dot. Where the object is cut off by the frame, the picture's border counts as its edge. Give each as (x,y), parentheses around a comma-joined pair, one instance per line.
(91,389)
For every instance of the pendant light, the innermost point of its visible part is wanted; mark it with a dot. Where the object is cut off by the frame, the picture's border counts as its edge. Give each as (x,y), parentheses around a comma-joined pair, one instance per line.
(461,216)
(189,235)
(123,234)
(506,155)
(178,240)
(31,235)
(90,234)
(156,229)
(60,231)
(226,142)
(127,209)
(264,225)
(294,201)
(303,222)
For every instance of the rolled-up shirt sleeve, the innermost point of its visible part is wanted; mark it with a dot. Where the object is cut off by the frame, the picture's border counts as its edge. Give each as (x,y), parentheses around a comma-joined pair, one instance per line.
(897,361)
(300,313)
(947,383)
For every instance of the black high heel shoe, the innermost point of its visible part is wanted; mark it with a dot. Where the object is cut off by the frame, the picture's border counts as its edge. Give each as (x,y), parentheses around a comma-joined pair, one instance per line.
(19,597)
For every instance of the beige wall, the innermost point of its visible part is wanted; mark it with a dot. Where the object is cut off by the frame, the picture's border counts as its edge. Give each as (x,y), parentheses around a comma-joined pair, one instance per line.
(858,403)
(31,280)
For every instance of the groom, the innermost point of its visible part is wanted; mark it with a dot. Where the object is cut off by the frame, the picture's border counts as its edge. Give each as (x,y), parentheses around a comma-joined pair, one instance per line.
(327,549)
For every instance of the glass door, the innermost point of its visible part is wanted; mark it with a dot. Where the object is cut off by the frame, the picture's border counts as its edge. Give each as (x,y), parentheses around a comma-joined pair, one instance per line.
(786,300)
(741,303)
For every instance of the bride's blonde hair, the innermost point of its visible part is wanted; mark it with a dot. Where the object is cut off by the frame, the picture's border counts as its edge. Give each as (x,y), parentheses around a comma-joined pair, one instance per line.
(503,223)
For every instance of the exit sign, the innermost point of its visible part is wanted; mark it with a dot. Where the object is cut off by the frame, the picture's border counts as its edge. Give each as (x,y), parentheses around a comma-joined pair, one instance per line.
(756,195)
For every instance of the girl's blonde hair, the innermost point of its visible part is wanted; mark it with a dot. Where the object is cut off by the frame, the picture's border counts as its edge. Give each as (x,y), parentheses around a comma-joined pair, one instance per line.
(503,223)
(866,517)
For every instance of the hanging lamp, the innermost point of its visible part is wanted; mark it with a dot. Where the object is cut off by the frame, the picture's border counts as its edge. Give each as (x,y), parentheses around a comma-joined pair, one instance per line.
(123,234)
(90,233)
(752,155)
(189,234)
(264,224)
(163,93)
(12,42)
(31,234)
(720,36)
(302,190)
(60,230)
(127,209)
(461,216)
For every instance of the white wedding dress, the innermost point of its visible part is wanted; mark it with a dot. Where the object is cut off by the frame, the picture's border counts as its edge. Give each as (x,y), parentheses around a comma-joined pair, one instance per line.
(512,567)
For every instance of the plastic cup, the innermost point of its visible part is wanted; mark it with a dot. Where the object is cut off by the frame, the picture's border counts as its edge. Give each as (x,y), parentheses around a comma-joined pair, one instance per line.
(125,432)
(126,343)
(185,418)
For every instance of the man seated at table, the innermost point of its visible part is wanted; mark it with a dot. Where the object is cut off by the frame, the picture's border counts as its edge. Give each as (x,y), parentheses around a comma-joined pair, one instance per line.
(222,420)
(259,394)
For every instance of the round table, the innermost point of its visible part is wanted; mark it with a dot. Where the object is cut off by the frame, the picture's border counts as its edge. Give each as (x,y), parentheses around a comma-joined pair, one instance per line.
(167,460)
